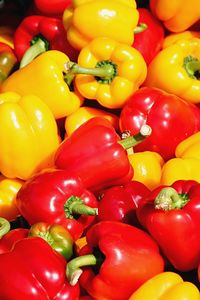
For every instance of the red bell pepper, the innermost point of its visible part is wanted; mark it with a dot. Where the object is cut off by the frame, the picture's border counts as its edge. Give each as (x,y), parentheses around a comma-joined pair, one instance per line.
(149,41)
(171,214)
(119,203)
(8,61)
(37,34)
(33,270)
(56,196)
(53,7)
(95,153)
(171,118)
(117,260)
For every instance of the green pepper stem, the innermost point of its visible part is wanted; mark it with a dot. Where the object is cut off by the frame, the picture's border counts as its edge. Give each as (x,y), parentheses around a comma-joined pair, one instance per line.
(75,205)
(192,66)
(73,270)
(4,227)
(140,28)
(169,199)
(132,141)
(33,51)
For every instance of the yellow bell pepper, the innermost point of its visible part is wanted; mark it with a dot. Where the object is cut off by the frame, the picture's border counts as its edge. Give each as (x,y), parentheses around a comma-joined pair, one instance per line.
(44,78)
(178,67)
(174,37)
(88,19)
(177,15)
(6,35)
(186,165)
(86,113)
(108,72)
(28,135)
(8,192)
(166,286)
(147,167)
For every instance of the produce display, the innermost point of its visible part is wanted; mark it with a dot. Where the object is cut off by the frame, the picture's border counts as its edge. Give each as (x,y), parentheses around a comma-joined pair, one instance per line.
(100,150)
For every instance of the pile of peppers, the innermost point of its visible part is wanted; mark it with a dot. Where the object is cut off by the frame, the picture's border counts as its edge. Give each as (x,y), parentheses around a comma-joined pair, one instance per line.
(100,150)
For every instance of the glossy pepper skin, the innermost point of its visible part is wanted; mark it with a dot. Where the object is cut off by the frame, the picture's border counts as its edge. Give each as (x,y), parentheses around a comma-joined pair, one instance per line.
(149,41)
(7,61)
(33,270)
(116,277)
(174,37)
(175,211)
(28,133)
(186,163)
(119,203)
(182,61)
(9,239)
(166,286)
(47,70)
(86,20)
(8,192)
(54,196)
(53,7)
(178,15)
(37,34)
(171,118)
(95,153)
(108,72)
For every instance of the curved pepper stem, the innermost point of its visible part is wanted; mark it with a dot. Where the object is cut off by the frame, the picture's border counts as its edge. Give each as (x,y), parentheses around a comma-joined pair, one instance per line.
(169,199)
(73,270)
(140,28)
(132,141)
(39,46)
(4,227)
(192,66)
(105,71)
(75,205)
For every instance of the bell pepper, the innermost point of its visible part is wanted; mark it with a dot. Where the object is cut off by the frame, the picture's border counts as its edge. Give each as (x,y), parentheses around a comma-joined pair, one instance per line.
(178,15)
(119,203)
(107,71)
(175,210)
(166,286)
(108,271)
(9,238)
(89,19)
(171,118)
(186,163)
(96,153)
(6,35)
(182,61)
(174,37)
(53,7)
(8,192)
(57,196)
(85,113)
(8,61)
(33,270)
(147,167)
(149,41)
(28,134)
(37,34)
(47,70)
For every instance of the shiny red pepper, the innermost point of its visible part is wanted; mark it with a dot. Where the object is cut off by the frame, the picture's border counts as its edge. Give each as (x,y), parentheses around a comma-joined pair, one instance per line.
(171,118)
(8,61)
(33,270)
(117,260)
(57,196)
(95,152)
(119,203)
(37,34)
(149,41)
(171,214)
(53,7)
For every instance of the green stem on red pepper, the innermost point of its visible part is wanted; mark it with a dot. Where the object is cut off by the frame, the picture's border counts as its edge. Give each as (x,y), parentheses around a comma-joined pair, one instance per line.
(168,199)
(4,227)
(38,45)
(75,205)
(192,66)
(140,28)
